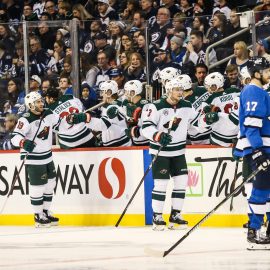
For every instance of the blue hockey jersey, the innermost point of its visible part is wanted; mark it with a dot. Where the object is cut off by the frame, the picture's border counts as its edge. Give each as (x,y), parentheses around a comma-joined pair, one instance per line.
(254,121)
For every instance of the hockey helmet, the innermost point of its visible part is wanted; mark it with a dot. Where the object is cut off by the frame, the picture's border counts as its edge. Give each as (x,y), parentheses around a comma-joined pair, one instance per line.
(173,84)
(30,100)
(257,64)
(185,82)
(168,74)
(244,75)
(133,85)
(109,85)
(214,79)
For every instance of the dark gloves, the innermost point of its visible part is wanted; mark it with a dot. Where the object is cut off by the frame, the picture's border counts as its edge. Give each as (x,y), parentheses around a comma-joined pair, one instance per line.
(260,159)
(207,109)
(27,145)
(112,112)
(133,132)
(163,138)
(130,109)
(211,118)
(76,118)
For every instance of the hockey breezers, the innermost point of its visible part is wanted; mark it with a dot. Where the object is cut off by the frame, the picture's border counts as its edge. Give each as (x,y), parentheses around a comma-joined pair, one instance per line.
(142,180)
(22,164)
(165,253)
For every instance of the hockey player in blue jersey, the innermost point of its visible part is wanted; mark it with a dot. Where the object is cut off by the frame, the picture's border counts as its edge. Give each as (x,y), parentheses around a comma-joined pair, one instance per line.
(254,144)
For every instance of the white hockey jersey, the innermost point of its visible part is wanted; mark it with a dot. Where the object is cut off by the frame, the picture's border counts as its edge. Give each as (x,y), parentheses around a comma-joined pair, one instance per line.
(157,118)
(27,127)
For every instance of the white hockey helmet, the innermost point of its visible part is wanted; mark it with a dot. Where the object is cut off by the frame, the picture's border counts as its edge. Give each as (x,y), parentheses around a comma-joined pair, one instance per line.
(168,74)
(214,79)
(30,100)
(244,75)
(185,82)
(133,85)
(173,84)
(109,85)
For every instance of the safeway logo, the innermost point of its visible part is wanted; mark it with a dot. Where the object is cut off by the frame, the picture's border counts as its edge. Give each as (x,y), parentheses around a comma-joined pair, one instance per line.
(111,178)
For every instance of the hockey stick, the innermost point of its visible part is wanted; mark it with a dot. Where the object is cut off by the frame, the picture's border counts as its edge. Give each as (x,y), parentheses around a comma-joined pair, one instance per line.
(158,253)
(233,183)
(22,164)
(145,174)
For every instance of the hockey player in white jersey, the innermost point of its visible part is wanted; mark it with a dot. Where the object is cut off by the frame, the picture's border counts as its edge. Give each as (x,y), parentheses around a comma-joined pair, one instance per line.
(217,111)
(254,111)
(33,134)
(167,74)
(70,136)
(112,123)
(196,134)
(171,160)
(133,108)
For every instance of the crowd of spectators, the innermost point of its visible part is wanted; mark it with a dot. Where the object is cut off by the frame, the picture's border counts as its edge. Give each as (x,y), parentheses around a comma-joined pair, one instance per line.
(113,44)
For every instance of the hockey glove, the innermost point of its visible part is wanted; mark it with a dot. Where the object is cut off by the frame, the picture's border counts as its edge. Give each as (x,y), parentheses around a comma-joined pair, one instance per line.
(211,118)
(27,145)
(130,109)
(133,132)
(112,112)
(76,118)
(260,159)
(163,138)
(207,109)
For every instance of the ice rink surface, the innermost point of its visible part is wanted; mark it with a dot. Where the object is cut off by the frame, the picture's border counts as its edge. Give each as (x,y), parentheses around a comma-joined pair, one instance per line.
(81,248)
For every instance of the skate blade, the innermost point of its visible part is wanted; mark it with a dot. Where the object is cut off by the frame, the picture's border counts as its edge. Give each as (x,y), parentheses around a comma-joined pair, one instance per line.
(54,223)
(38,225)
(254,246)
(174,226)
(158,227)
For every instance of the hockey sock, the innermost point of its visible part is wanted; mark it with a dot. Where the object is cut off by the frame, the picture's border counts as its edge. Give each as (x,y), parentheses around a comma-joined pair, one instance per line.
(257,207)
(36,197)
(48,193)
(179,191)
(159,194)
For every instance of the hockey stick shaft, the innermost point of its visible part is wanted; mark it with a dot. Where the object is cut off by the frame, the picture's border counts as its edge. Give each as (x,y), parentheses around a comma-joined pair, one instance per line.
(252,175)
(233,183)
(142,179)
(18,174)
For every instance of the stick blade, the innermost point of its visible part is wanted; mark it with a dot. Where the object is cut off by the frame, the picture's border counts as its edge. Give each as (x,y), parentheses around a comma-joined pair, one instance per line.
(153,252)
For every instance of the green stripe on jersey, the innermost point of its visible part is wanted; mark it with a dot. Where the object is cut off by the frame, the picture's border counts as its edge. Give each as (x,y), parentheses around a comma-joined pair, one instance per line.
(169,148)
(39,156)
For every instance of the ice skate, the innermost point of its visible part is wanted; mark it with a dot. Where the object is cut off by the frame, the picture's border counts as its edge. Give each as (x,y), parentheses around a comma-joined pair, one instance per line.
(49,215)
(246,225)
(42,221)
(158,222)
(256,241)
(176,222)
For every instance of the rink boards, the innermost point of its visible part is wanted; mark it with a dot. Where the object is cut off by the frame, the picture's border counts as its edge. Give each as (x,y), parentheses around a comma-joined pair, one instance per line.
(95,184)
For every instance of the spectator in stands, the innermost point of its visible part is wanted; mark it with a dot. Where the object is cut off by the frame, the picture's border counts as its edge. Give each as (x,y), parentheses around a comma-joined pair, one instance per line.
(63,35)
(201,71)
(200,24)
(171,6)
(104,68)
(203,8)
(126,43)
(233,27)
(10,123)
(45,85)
(35,84)
(136,68)
(67,67)
(131,8)
(138,21)
(196,50)
(116,30)
(44,17)
(88,96)
(13,11)
(89,71)
(64,11)
(46,35)
(105,12)
(18,61)
(142,45)
(79,12)
(5,62)
(124,60)
(28,14)
(117,75)
(187,8)
(222,7)
(65,86)
(7,38)
(102,45)
(51,10)
(240,55)
(95,28)
(40,61)
(59,55)
(178,24)
(232,78)
(262,49)
(177,49)
(149,11)
(159,30)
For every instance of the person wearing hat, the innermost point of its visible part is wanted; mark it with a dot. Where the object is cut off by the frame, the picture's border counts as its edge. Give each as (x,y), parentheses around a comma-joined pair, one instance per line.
(117,75)
(105,12)
(177,49)
(35,84)
(262,49)
(88,96)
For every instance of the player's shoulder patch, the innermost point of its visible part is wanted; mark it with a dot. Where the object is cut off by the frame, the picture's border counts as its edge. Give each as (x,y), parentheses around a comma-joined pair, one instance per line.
(144,101)
(26,115)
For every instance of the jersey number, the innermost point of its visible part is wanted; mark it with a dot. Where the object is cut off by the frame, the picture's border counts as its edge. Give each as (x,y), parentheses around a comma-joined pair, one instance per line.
(251,106)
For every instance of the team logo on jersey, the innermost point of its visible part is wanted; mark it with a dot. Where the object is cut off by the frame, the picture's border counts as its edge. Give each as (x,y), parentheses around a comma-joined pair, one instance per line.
(43,135)
(163,171)
(112,178)
(175,124)
(166,112)
(155,36)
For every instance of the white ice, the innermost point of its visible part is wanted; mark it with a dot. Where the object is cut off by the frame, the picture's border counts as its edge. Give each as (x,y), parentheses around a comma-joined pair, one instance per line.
(81,248)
